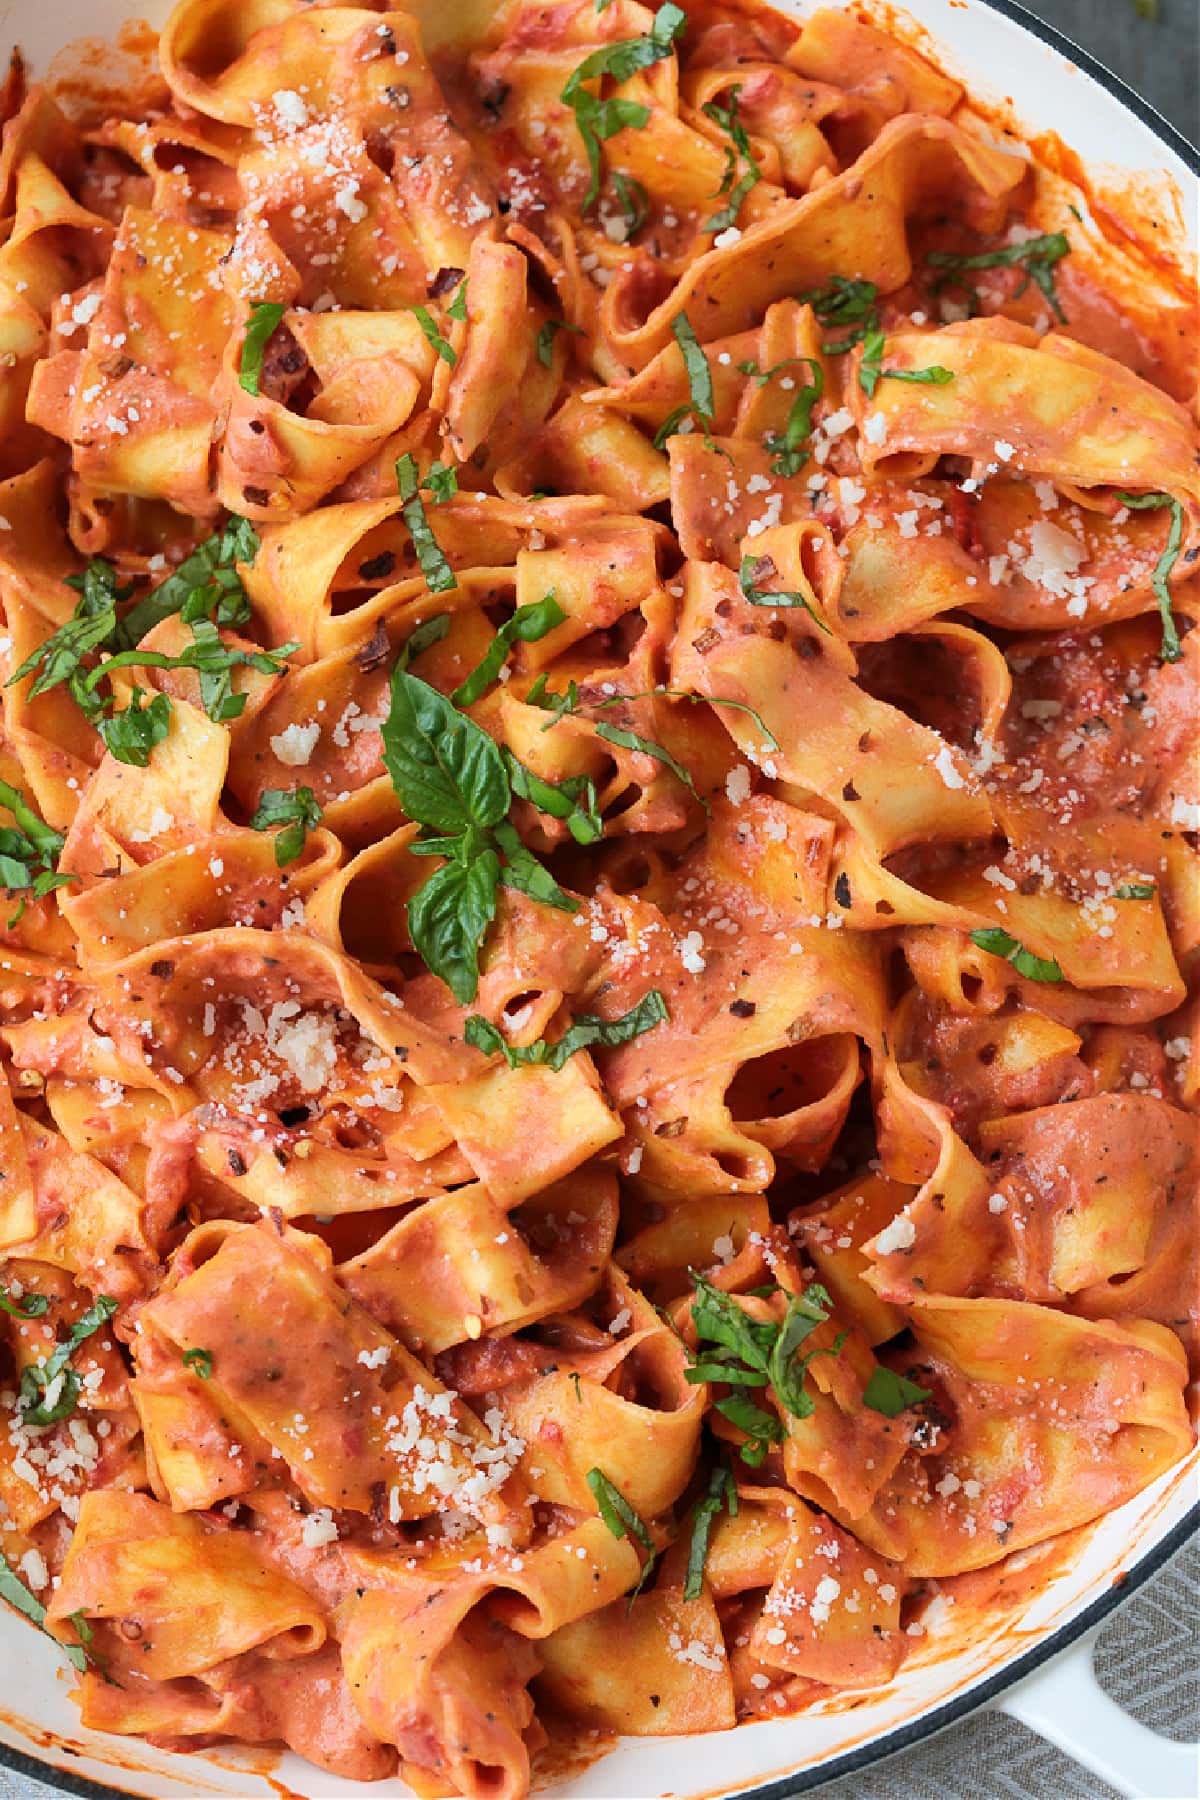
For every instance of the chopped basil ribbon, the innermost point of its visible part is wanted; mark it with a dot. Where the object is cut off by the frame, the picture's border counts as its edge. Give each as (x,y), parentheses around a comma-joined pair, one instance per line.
(206,583)
(29,851)
(573,800)
(37,1378)
(762,568)
(622,1521)
(441,482)
(208,654)
(433,336)
(584,1031)
(722,1491)
(871,371)
(439,576)
(33,1308)
(1170,650)
(450,778)
(526,626)
(727,118)
(200,1362)
(457,308)
(844,302)
(1135,890)
(598,120)
(1037,256)
(13,1589)
(889,1393)
(633,201)
(786,446)
(263,323)
(546,336)
(742,1352)
(423,638)
(1000,943)
(699,375)
(295,811)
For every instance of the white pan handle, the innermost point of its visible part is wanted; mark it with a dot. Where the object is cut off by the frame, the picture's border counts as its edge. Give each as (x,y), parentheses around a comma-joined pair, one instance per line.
(1064,1703)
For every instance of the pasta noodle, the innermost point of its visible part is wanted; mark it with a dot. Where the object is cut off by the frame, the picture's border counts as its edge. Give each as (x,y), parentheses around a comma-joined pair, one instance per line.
(598,800)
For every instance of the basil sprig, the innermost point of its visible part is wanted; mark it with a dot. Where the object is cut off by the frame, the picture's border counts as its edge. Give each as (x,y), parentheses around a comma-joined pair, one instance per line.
(747,1353)
(291,813)
(131,734)
(451,779)
(433,336)
(36,1378)
(1171,650)
(1038,257)
(1001,943)
(598,120)
(584,1031)
(727,118)
(871,370)
(622,1521)
(264,321)
(786,446)
(29,850)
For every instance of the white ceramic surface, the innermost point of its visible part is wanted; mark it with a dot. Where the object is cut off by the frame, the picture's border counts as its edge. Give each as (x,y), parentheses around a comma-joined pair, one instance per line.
(1003,62)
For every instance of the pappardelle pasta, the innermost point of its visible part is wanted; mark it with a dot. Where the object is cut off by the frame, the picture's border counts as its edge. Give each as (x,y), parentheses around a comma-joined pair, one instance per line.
(598,802)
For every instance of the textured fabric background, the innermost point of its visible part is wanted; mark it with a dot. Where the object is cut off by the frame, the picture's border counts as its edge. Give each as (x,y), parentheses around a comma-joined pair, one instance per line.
(1149,1654)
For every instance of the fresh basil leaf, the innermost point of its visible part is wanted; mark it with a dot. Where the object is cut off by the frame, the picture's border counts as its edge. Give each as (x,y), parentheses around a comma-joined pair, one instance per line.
(1136,890)
(804,1313)
(526,626)
(561,801)
(727,118)
(622,1521)
(720,1483)
(844,302)
(439,576)
(36,1378)
(447,772)
(31,1307)
(584,1032)
(433,336)
(870,367)
(14,1591)
(448,919)
(91,627)
(292,813)
(933,376)
(441,482)
(761,1427)
(45,843)
(762,568)
(889,1393)
(1037,256)
(1171,649)
(1000,943)
(200,1362)
(545,339)
(131,734)
(720,1320)
(457,308)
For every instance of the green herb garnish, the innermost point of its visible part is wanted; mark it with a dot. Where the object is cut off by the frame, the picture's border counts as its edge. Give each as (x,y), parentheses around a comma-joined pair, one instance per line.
(200,1362)
(727,118)
(1170,650)
(622,1521)
(871,372)
(439,576)
(889,1393)
(742,1352)
(29,851)
(291,813)
(33,1306)
(762,568)
(526,626)
(433,336)
(1037,256)
(1000,943)
(546,336)
(722,1491)
(584,1031)
(264,321)
(36,1378)
(598,120)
